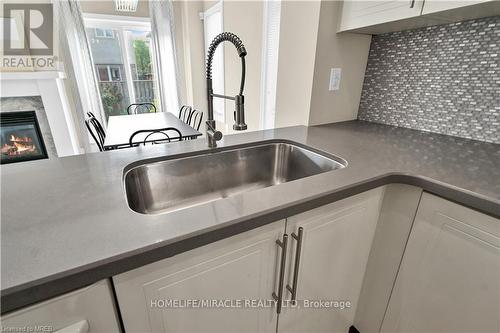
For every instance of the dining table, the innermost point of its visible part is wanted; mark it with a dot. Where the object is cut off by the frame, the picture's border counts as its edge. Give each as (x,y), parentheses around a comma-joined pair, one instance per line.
(121,127)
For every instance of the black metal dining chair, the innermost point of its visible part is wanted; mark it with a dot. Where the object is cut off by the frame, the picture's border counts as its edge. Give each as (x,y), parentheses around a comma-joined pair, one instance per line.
(162,135)
(185,113)
(195,119)
(96,130)
(99,127)
(137,108)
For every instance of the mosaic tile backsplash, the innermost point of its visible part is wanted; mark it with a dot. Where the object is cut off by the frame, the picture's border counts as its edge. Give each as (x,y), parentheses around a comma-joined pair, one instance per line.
(443,79)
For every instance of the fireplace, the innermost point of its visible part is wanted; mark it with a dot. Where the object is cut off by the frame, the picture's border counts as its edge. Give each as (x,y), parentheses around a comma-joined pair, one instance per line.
(21,139)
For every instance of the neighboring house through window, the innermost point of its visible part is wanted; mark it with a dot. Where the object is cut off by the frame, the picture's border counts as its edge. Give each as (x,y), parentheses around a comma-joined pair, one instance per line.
(109,73)
(104,33)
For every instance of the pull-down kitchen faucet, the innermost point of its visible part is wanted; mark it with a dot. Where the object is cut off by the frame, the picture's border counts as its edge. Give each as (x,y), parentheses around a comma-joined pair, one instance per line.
(239,114)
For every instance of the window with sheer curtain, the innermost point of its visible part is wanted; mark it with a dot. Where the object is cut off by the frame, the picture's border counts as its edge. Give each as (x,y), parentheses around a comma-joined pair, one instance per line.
(122,56)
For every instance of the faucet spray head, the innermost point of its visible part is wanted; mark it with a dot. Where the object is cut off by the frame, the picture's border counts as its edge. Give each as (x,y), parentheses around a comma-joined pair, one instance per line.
(239,113)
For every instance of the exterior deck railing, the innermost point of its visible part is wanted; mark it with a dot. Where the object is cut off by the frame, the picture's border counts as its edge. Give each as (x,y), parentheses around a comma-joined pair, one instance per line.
(115,97)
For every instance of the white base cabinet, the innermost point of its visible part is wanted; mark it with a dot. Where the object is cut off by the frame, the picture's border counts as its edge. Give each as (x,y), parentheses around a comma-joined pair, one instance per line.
(87,310)
(335,248)
(242,267)
(336,242)
(449,280)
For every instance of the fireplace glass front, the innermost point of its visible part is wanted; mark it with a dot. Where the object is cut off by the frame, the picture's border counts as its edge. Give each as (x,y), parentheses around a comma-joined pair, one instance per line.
(21,139)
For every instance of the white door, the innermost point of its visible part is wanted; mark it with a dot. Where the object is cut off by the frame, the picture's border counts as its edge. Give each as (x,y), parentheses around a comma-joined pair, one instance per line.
(449,280)
(360,14)
(242,267)
(336,242)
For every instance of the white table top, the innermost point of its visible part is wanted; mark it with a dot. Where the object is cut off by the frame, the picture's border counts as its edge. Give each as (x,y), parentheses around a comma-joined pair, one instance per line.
(120,128)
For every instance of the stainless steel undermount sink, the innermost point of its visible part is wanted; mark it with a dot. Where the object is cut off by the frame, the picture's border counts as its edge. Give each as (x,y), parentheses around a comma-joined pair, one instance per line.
(176,183)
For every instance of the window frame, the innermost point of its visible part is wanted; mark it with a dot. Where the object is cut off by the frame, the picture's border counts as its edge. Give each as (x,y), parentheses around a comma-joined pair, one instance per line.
(105,69)
(105,35)
(117,67)
(115,22)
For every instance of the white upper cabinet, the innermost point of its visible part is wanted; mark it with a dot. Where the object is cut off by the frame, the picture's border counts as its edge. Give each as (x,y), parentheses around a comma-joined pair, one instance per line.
(434,6)
(449,280)
(359,14)
(376,17)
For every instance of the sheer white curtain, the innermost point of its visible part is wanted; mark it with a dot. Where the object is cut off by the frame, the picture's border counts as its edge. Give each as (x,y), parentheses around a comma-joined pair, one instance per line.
(162,33)
(75,52)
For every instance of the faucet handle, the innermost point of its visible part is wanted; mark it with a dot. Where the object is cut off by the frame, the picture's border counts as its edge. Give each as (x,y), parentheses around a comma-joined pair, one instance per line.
(212,133)
(217,135)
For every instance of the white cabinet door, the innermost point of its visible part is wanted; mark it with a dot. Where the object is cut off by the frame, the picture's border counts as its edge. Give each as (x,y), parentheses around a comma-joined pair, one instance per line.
(86,310)
(449,280)
(435,6)
(336,242)
(242,267)
(359,14)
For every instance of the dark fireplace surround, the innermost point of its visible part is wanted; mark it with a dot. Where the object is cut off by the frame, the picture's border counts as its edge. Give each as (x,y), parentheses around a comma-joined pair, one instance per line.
(21,138)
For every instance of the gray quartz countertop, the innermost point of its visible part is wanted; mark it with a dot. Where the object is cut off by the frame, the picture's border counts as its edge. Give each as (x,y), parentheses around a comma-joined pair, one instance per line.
(65,222)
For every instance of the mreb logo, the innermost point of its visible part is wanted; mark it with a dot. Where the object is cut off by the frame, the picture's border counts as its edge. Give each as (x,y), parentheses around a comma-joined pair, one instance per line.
(36,39)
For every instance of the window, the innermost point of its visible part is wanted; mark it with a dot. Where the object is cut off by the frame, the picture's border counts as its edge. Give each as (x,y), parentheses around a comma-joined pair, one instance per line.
(104,33)
(108,73)
(122,55)
(102,71)
(115,73)
(141,64)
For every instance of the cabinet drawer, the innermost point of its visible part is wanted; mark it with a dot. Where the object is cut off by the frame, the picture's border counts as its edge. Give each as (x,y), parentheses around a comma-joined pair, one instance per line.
(90,309)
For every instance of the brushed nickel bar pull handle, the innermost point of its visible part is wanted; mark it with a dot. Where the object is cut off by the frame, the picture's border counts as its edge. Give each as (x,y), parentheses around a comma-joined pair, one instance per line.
(279,298)
(298,250)
(412,3)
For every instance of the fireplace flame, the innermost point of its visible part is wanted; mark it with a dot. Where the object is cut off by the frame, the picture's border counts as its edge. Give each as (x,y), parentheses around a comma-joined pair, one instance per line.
(18,146)
(14,138)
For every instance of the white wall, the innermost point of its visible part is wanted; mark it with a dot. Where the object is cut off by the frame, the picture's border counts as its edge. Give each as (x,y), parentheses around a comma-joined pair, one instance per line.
(347,51)
(245,19)
(298,37)
(309,48)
